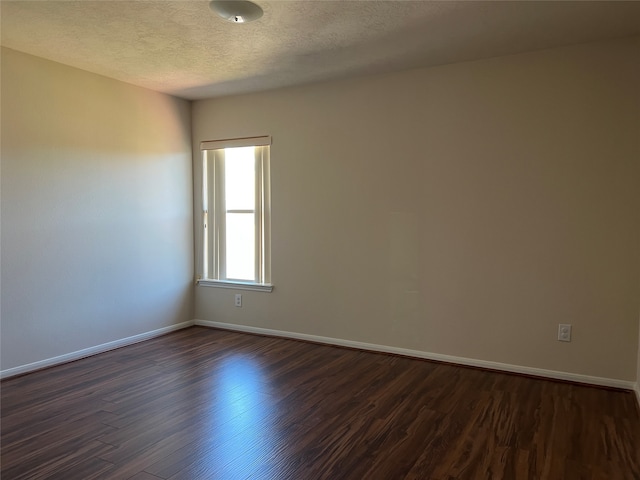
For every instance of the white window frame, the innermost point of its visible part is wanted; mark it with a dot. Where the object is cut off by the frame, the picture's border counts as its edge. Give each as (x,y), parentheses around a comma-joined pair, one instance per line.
(213,238)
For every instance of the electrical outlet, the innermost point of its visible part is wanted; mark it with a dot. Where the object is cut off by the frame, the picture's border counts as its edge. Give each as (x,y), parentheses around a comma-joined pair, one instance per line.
(564,332)
(238,300)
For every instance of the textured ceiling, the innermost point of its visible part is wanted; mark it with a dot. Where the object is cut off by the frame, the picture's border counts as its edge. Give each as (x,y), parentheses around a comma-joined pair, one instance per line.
(182,48)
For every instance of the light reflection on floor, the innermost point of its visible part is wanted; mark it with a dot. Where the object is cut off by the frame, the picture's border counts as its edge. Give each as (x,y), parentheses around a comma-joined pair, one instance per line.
(241,421)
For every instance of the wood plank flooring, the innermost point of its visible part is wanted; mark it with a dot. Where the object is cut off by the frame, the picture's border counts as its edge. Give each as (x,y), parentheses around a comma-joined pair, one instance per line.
(210,404)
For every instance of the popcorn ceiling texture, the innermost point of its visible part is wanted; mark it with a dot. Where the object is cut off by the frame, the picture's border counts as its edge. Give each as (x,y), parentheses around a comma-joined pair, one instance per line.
(182,48)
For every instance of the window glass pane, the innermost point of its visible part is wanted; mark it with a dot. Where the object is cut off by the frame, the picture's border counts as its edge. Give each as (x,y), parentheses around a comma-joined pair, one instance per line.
(235,223)
(240,178)
(241,246)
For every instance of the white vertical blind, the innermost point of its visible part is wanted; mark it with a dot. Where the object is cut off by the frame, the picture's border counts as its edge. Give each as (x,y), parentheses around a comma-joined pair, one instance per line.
(236,210)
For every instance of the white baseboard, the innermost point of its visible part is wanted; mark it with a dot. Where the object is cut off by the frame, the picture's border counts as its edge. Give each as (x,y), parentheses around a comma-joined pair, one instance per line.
(557,375)
(87,352)
(538,372)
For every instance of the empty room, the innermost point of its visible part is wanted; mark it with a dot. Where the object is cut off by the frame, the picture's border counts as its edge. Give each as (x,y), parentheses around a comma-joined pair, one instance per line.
(320,240)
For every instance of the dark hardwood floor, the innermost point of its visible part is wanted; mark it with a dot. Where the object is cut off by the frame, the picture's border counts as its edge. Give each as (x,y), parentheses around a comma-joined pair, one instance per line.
(210,404)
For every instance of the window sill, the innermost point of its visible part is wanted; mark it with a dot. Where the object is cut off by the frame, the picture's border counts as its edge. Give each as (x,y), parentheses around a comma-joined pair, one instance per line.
(258,287)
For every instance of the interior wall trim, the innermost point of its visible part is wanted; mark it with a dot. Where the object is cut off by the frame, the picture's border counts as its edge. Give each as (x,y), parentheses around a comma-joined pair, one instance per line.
(485,364)
(87,352)
(469,362)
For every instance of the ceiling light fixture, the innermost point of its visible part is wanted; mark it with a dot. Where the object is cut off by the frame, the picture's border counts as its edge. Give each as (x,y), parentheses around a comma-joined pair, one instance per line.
(236,11)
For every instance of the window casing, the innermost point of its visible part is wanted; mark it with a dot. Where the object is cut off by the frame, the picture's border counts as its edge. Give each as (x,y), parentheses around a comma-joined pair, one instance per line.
(236,213)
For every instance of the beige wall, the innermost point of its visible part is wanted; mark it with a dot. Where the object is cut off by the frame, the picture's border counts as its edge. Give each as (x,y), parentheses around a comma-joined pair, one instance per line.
(463,210)
(638,367)
(96,210)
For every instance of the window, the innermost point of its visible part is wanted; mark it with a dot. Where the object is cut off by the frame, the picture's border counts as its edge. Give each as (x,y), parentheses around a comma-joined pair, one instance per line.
(236,213)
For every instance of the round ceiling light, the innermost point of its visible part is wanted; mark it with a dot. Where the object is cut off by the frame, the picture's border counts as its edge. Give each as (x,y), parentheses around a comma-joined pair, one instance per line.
(236,11)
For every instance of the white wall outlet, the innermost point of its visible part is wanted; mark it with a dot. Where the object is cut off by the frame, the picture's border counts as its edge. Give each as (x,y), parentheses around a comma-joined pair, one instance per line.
(564,332)
(238,300)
